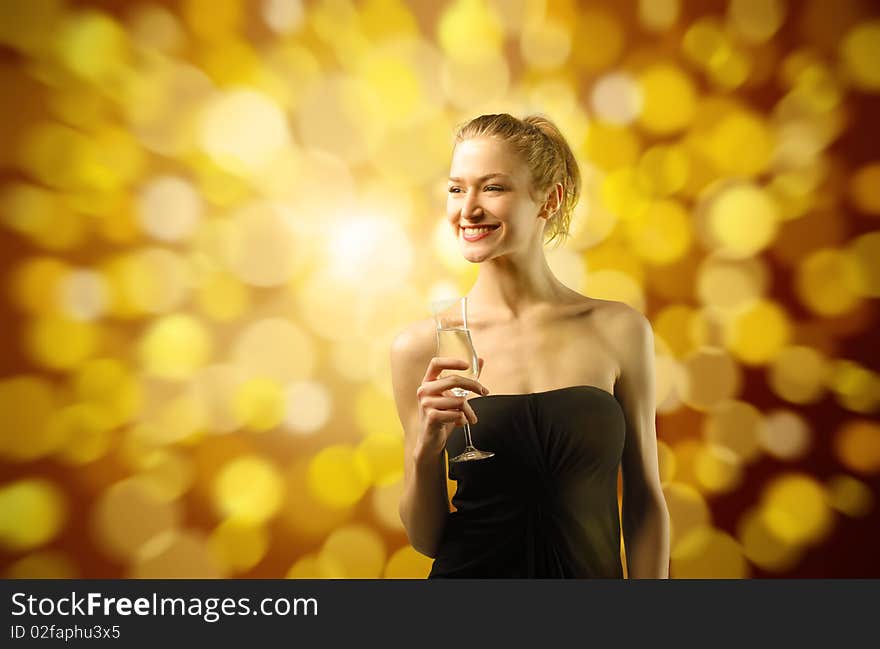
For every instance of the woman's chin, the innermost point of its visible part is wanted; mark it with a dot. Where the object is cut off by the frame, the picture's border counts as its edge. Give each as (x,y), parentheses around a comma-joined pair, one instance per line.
(474,256)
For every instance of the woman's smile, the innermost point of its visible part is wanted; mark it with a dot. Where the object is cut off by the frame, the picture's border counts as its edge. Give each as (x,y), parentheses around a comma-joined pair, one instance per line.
(475,233)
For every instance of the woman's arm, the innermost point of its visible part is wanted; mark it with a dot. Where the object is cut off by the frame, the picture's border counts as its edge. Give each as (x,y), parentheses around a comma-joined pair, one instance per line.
(424,505)
(644,513)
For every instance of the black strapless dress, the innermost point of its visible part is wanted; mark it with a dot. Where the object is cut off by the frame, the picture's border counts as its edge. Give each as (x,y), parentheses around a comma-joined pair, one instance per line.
(545,506)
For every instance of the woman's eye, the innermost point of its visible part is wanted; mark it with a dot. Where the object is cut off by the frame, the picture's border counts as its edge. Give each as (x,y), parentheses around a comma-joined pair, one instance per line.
(456,190)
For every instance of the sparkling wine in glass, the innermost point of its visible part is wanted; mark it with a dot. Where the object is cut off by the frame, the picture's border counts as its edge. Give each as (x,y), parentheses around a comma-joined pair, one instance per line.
(454,340)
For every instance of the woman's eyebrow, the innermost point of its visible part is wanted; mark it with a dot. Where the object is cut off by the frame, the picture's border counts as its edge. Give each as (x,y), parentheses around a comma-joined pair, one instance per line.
(481,178)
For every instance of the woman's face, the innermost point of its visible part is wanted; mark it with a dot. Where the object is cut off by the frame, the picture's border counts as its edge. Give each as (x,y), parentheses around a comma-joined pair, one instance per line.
(491,214)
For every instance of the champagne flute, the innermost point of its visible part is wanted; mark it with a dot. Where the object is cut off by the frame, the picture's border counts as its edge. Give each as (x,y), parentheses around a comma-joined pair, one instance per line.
(454,340)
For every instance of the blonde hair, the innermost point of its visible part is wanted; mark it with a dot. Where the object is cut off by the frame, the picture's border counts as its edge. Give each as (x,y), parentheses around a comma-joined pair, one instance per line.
(545,151)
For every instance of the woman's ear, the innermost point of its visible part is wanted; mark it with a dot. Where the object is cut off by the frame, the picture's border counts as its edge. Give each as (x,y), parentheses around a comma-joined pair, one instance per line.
(554,200)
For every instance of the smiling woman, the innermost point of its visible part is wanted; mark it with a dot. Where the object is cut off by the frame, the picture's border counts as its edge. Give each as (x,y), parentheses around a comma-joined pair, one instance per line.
(572,379)
(550,166)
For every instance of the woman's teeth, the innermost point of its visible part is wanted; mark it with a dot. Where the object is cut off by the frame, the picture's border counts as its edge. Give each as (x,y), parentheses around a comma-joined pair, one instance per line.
(475,234)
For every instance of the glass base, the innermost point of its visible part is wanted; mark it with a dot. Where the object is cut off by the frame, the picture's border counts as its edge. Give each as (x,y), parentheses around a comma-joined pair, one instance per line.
(469,454)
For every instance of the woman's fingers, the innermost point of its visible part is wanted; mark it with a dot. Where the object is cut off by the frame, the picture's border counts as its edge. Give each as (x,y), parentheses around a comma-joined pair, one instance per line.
(435,416)
(463,382)
(439,386)
(452,403)
(438,404)
(440,363)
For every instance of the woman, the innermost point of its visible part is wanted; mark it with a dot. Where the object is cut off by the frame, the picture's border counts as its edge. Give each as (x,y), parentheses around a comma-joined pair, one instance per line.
(571,380)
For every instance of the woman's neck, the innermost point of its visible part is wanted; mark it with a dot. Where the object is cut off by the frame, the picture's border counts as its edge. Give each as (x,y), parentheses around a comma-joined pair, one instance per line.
(507,291)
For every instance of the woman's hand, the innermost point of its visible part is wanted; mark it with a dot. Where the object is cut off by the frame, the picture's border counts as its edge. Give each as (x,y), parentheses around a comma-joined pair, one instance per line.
(440,410)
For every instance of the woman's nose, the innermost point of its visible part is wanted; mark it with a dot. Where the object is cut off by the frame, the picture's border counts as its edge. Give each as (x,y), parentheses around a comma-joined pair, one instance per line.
(471,207)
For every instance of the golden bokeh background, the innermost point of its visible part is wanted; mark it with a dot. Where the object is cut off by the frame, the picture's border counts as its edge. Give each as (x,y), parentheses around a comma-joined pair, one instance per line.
(216,214)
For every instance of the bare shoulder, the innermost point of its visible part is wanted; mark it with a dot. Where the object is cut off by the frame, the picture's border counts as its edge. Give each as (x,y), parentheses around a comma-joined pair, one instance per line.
(630,338)
(622,319)
(627,333)
(414,341)
(610,315)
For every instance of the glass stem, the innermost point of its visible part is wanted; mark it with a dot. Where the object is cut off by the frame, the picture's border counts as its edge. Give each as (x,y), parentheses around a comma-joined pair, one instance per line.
(469,444)
(467,436)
